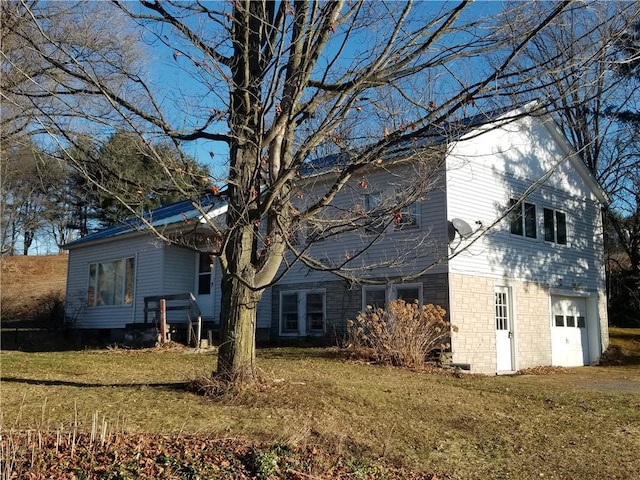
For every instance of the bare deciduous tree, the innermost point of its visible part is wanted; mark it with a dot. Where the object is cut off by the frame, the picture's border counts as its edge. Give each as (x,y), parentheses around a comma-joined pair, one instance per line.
(278,83)
(593,91)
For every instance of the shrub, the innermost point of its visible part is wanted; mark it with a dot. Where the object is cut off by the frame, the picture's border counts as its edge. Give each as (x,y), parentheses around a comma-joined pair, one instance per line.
(402,335)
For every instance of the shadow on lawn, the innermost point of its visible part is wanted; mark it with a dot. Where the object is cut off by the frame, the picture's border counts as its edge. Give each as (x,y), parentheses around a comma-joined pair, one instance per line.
(180,386)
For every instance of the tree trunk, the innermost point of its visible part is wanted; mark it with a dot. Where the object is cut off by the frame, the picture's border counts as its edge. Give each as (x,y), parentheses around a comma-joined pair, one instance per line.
(236,357)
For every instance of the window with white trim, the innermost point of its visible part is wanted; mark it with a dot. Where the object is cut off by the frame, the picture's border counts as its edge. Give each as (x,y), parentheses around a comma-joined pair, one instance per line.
(407,217)
(111,283)
(204,274)
(375,297)
(371,202)
(302,312)
(523,218)
(378,296)
(555,226)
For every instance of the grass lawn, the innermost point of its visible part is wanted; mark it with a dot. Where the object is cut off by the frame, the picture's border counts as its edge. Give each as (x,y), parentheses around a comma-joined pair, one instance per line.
(575,423)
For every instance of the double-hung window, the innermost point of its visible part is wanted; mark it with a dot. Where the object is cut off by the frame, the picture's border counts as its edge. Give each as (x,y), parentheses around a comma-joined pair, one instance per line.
(302,312)
(375,221)
(111,282)
(204,274)
(523,218)
(377,296)
(555,226)
(407,217)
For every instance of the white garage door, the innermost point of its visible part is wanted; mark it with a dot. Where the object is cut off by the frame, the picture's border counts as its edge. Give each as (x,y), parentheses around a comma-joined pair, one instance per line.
(569,340)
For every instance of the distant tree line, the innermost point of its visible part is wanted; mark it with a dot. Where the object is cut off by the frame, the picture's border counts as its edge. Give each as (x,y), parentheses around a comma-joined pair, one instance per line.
(44,198)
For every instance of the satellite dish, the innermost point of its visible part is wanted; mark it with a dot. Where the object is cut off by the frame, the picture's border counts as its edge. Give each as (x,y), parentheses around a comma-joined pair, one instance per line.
(461,227)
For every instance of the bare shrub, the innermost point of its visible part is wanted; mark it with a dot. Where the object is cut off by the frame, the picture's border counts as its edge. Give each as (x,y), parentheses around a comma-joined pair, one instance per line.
(402,335)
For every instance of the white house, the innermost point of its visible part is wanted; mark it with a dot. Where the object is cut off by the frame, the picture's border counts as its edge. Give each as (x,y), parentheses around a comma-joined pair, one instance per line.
(508,240)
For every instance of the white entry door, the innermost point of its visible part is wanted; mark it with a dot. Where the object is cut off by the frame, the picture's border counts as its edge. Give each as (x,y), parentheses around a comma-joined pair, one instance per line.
(504,329)
(204,287)
(569,340)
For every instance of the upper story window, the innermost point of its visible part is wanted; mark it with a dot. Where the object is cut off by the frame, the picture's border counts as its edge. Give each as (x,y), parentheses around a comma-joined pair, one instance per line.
(111,283)
(371,203)
(407,217)
(523,218)
(555,226)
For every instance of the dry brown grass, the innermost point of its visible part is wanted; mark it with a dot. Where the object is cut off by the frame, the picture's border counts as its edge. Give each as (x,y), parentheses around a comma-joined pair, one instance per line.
(582,423)
(29,284)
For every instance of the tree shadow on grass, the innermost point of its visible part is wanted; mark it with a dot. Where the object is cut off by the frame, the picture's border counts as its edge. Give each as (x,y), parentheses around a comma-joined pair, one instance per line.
(170,386)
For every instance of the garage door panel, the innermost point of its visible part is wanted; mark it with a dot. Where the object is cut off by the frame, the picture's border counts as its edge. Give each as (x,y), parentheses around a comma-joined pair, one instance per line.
(569,336)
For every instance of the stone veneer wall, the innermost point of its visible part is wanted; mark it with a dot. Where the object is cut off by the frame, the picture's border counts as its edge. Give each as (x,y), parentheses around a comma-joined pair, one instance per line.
(473,313)
(473,339)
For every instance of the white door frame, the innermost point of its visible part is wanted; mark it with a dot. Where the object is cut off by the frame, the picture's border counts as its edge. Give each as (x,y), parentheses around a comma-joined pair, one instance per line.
(504,326)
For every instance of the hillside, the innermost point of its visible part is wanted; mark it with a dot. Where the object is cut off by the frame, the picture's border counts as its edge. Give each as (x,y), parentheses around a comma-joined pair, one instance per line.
(30,286)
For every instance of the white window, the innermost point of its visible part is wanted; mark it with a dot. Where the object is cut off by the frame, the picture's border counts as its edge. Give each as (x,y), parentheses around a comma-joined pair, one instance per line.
(378,296)
(204,274)
(302,312)
(555,226)
(375,297)
(376,222)
(111,283)
(407,217)
(523,218)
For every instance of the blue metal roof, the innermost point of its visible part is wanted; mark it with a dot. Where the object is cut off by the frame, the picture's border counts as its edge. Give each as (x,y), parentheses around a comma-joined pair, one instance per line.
(160,217)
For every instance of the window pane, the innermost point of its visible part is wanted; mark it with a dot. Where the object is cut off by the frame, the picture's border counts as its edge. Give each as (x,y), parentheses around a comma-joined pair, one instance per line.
(407,217)
(290,312)
(107,278)
(559,321)
(516,218)
(118,284)
(376,298)
(315,311)
(502,318)
(204,274)
(530,220)
(408,294)
(549,229)
(561,220)
(129,281)
(581,322)
(91,294)
(376,222)
(571,321)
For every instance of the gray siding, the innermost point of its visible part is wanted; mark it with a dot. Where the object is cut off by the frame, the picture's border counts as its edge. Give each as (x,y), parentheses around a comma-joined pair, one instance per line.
(344,301)
(397,252)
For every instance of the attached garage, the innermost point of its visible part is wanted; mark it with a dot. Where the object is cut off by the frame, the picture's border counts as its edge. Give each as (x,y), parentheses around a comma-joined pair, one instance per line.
(569,331)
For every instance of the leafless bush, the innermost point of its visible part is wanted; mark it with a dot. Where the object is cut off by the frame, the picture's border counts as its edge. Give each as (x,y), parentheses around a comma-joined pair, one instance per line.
(402,335)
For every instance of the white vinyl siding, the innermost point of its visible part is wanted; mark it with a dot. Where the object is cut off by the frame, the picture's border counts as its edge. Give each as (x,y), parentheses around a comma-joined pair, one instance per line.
(422,246)
(480,186)
(148,256)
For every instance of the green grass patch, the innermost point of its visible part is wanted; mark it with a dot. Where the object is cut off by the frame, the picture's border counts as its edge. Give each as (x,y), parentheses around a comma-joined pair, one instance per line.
(579,423)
